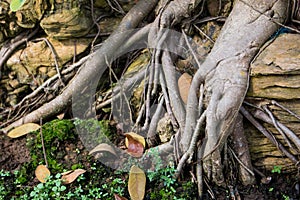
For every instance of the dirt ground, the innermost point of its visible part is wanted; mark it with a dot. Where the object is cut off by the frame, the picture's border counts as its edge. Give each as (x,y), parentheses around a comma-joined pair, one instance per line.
(14,153)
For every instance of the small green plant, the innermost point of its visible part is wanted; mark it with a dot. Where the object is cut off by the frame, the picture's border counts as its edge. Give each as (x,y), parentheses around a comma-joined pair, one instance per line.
(3,189)
(52,189)
(285,197)
(276,169)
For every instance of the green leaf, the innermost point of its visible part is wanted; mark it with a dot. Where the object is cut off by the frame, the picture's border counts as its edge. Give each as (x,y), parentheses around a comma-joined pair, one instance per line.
(15,5)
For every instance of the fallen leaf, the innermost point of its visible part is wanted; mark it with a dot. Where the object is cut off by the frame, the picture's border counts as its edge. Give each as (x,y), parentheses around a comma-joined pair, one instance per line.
(136,183)
(117,197)
(135,136)
(67,172)
(60,116)
(103,147)
(71,177)
(134,147)
(184,84)
(42,173)
(23,130)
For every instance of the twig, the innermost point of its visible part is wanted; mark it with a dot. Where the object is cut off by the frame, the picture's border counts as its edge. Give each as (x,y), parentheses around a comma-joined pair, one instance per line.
(172,85)
(95,23)
(286,109)
(187,156)
(167,99)
(212,41)
(241,163)
(267,134)
(199,171)
(290,134)
(6,52)
(151,135)
(43,145)
(275,123)
(54,55)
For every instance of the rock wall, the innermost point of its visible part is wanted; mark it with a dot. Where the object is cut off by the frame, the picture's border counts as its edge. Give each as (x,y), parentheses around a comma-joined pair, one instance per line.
(275,75)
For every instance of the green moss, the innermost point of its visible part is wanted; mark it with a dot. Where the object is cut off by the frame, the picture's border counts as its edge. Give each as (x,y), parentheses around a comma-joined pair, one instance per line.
(54,134)
(95,131)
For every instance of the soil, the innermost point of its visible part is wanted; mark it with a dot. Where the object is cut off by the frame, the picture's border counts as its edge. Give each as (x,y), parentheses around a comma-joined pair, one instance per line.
(14,153)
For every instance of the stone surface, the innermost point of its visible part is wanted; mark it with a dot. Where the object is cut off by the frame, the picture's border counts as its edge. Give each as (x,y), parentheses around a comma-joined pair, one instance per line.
(276,71)
(275,75)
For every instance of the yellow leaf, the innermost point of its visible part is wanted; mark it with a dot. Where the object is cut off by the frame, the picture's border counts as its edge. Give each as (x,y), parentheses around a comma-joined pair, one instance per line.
(42,173)
(23,130)
(184,84)
(103,147)
(136,183)
(134,147)
(71,177)
(136,137)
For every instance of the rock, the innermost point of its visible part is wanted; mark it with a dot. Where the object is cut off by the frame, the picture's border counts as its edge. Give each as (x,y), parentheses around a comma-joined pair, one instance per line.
(27,62)
(165,129)
(75,22)
(276,71)
(275,75)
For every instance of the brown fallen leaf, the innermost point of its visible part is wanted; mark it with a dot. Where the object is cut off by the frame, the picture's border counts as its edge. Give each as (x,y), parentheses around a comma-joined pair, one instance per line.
(42,173)
(71,177)
(134,147)
(117,197)
(103,147)
(184,84)
(23,130)
(136,183)
(135,136)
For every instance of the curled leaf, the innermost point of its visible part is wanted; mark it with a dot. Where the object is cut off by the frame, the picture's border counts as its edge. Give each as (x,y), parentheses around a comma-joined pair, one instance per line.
(136,183)
(134,147)
(23,130)
(136,137)
(184,84)
(42,173)
(71,177)
(103,147)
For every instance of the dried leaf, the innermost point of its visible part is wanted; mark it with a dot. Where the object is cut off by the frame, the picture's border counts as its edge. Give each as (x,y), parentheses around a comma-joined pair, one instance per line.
(103,147)
(60,116)
(67,172)
(136,137)
(70,177)
(134,147)
(136,183)
(184,84)
(117,197)
(23,130)
(42,173)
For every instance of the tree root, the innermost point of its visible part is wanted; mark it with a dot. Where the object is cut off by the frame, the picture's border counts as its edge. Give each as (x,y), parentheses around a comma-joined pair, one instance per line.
(221,80)
(95,62)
